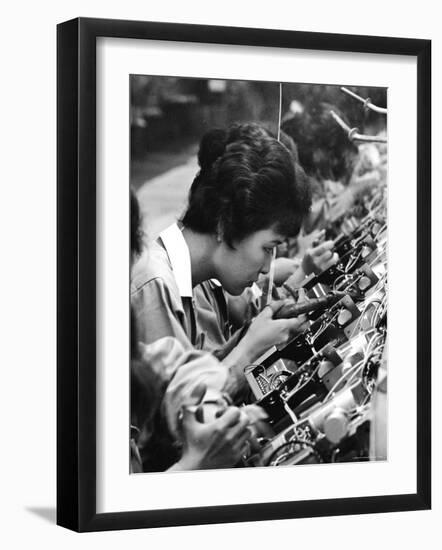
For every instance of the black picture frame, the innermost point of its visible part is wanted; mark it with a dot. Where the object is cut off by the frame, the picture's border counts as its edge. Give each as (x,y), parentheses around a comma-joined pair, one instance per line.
(76,273)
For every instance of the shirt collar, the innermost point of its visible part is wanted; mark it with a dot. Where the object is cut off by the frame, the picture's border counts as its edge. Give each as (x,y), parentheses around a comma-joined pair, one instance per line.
(179,256)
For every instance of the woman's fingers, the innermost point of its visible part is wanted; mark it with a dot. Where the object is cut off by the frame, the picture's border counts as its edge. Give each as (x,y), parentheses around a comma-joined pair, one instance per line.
(242,439)
(322,248)
(197,394)
(286,327)
(321,257)
(240,432)
(327,260)
(284,267)
(273,307)
(229,418)
(255,413)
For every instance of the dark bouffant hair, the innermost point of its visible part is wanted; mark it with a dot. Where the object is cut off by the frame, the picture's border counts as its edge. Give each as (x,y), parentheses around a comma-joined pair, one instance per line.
(324,149)
(136,232)
(252,132)
(247,182)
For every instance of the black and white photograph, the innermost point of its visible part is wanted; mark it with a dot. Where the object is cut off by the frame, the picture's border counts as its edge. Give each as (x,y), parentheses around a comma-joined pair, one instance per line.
(258,274)
(221,246)
(243,282)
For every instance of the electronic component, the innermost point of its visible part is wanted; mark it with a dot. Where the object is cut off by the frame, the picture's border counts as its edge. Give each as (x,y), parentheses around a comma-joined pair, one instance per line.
(263,380)
(319,389)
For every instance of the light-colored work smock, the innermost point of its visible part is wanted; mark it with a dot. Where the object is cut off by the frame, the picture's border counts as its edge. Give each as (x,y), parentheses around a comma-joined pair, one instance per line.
(179,372)
(161,296)
(165,303)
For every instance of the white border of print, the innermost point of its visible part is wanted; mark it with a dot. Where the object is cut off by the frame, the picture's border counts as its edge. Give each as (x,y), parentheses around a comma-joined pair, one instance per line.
(118,491)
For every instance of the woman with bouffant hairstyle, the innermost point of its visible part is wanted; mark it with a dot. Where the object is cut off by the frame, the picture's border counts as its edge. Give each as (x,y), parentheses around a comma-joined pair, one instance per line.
(250,201)
(247,182)
(218,312)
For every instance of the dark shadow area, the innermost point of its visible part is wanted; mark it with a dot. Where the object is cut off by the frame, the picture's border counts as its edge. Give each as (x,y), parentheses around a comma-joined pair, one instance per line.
(49,514)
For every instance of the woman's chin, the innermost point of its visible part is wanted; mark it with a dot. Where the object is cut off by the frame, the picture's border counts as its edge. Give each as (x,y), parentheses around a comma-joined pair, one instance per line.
(237,290)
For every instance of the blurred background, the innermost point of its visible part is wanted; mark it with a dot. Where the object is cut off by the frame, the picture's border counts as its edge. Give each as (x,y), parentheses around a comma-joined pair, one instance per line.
(169,115)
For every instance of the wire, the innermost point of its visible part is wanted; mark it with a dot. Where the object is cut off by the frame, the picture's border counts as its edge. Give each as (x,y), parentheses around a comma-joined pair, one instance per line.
(280,111)
(303,384)
(367,304)
(262,377)
(290,412)
(248,368)
(359,365)
(370,343)
(287,444)
(356,278)
(367,102)
(381,229)
(345,276)
(380,312)
(381,253)
(352,261)
(371,208)
(324,325)
(285,374)
(352,133)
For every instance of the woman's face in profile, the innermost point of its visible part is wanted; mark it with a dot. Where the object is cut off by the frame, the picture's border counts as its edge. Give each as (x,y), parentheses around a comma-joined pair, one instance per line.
(239,267)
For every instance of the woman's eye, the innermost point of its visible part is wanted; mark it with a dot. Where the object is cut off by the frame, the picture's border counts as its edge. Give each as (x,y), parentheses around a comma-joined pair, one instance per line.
(268,250)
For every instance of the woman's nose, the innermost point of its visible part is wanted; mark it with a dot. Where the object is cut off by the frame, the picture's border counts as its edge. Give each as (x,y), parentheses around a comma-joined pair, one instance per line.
(268,262)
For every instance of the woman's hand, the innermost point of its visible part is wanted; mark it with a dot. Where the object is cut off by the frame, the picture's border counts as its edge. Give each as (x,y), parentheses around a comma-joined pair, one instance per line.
(217,444)
(319,258)
(360,185)
(341,204)
(284,267)
(265,332)
(316,259)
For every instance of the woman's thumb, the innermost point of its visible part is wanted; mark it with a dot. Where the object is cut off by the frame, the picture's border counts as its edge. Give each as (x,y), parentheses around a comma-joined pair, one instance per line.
(197,394)
(191,411)
(275,306)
